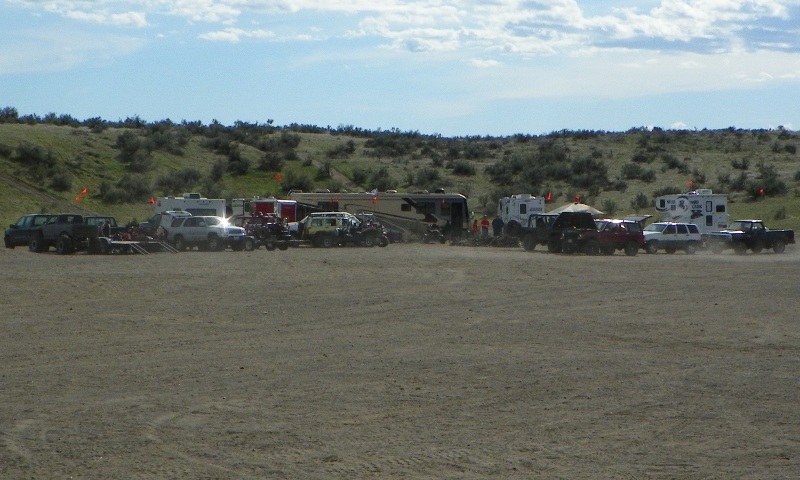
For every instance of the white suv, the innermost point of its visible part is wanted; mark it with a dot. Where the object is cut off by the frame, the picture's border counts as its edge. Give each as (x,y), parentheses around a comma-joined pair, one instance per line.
(206,233)
(671,237)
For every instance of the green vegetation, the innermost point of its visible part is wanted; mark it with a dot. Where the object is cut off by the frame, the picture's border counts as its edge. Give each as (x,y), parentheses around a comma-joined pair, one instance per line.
(45,162)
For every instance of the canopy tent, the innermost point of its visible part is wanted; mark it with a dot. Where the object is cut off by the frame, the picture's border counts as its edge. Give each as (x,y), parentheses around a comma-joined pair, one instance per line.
(577,207)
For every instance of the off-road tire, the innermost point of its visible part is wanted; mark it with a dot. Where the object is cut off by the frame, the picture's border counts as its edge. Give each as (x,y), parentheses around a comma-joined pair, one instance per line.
(383,241)
(631,249)
(369,241)
(651,247)
(270,245)
(326,241)
(779,246)
(248,244)
(592,247)
(36,244)
(214,243)
(64,245)
(554,245)
(758,246)
(283,246)
(179,243)
(528,243)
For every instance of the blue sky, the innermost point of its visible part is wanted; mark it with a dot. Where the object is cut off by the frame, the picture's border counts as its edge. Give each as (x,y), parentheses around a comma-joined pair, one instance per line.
(449,67)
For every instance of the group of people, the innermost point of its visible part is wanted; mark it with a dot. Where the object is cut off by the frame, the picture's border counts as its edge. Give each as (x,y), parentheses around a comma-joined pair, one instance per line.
(480,228)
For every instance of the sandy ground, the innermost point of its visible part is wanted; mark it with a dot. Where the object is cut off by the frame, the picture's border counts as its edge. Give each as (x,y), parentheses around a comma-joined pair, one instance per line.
(412,361)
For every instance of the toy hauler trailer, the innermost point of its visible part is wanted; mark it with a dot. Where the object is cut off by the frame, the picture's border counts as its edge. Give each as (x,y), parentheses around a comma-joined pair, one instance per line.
(192,203)
(285,209)
(403,212)
(707,210)
(515,210)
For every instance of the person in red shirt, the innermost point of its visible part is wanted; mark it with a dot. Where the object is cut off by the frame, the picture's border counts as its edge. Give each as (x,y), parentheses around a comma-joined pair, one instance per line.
(485,226)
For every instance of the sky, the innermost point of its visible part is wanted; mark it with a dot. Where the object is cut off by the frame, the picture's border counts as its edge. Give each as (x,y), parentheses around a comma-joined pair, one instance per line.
(446,67)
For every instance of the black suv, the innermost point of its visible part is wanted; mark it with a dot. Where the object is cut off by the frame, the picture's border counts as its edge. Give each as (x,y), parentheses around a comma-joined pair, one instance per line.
(20,233)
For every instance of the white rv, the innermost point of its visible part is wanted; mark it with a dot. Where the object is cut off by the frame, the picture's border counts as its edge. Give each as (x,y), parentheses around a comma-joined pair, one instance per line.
(193,203)
(515,210)
(702,207)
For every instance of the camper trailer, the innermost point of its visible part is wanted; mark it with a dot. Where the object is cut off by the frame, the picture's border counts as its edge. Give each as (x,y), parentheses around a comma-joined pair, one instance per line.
(515,210)
(707,210)
(193,203)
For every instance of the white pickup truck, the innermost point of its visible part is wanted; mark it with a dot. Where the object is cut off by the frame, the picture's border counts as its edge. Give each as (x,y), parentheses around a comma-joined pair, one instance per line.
(672,237)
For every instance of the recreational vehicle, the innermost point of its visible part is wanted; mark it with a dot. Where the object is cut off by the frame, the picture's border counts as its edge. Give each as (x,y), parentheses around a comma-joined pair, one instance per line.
(707,210)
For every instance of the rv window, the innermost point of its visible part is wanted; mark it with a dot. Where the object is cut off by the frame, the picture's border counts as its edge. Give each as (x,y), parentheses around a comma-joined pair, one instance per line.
(709,206)
(709,220)
(405,207)
(720,208)
(445,209)
(523,208)
(662,203)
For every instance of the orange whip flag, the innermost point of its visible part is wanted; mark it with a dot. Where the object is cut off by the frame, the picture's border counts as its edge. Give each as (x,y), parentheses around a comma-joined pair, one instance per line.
(84,191)
(278,177)
(152,201)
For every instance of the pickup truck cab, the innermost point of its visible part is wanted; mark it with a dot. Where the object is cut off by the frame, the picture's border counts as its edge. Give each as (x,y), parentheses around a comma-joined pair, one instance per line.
(742,235)
(106,226)
(671,237)
(67,232)
(20,233)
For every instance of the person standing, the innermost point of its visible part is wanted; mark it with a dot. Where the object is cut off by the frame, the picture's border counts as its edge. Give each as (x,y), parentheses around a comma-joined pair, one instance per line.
(485,226)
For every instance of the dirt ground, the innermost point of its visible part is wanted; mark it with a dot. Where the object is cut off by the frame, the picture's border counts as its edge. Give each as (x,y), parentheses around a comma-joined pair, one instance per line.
(412,361)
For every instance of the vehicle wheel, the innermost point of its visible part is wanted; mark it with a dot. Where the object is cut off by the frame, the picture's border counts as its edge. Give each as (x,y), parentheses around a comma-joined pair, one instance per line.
(592,248)
(758,246)
(36,245)
(369,241)
(554,245)
(568,248)
(739,248)
(326,241)
(179,243)
(270,246)
(283,246)
(383,241)
(64,245)
(249,244)
(779,246)
(95,246)
(670,250)
(651,246)
(631,249)
(528,243)
(691,248)
(214,244)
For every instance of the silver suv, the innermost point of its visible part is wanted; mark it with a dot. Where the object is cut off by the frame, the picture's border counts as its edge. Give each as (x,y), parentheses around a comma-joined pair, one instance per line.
(671,237)
(206,233)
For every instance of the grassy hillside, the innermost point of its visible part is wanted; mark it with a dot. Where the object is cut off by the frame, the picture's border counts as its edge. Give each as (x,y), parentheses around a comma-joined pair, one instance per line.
(44,166)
